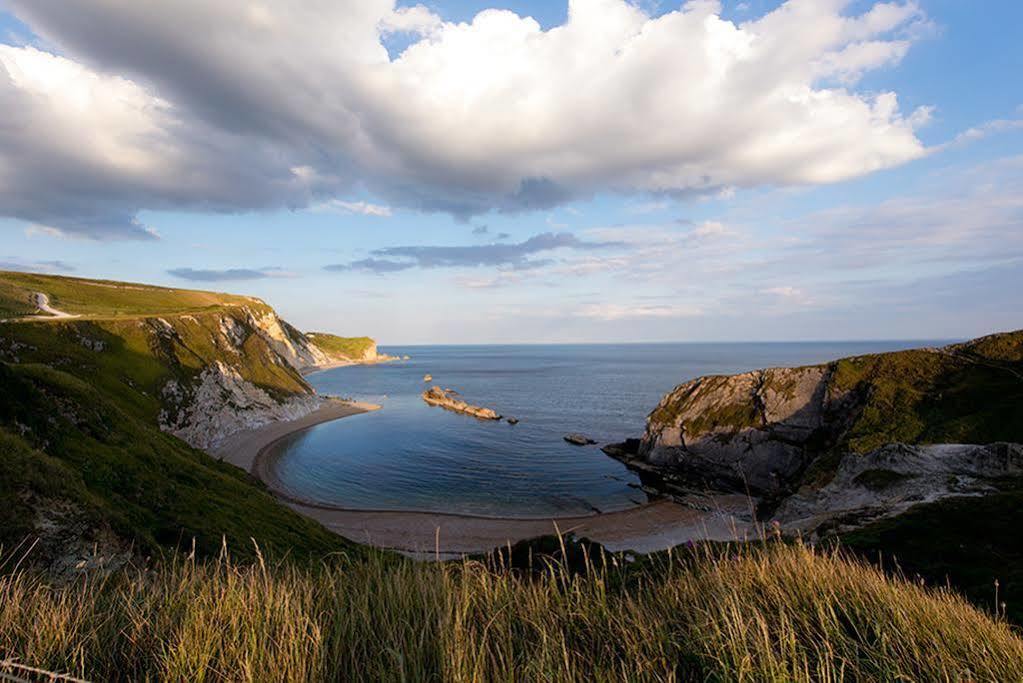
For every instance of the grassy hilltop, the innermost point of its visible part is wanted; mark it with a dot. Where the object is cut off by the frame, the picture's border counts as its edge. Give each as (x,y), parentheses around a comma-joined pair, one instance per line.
(106,298)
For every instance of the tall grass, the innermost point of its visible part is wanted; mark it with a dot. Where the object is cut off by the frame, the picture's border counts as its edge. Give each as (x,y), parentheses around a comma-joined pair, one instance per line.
(769,613)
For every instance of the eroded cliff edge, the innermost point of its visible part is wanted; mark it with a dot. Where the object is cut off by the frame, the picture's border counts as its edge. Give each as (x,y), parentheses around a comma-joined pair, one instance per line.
(201,365)
(837,445)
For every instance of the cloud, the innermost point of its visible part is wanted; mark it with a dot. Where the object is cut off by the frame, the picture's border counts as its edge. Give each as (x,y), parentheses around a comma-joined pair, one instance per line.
(228,275)
(373,265)
(480,230)
(504,255)
(232,106)
(612,311)
(986,129)
(364,208)
(48,266)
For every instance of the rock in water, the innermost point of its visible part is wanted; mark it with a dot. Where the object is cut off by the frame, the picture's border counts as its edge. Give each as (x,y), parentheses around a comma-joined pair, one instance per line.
(436,396)
(513,420)
(579,439)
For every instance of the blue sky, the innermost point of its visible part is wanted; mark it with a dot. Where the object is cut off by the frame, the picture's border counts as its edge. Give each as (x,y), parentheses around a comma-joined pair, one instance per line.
(428,175)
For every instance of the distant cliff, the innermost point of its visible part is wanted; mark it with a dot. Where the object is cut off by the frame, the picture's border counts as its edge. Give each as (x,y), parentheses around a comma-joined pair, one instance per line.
(351,349)
(784,435)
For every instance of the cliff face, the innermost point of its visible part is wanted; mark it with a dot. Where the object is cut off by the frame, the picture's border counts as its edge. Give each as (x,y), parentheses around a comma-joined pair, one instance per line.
(201,367)
(757,430)
(778,432)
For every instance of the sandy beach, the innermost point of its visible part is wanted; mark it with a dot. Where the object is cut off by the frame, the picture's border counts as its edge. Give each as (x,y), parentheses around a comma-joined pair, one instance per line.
(647,528)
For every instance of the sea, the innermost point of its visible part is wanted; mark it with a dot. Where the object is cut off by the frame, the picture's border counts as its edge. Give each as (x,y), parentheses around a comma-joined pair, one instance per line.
(412,456)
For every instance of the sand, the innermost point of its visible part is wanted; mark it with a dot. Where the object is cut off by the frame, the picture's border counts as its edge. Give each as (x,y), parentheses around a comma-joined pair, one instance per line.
(655,526)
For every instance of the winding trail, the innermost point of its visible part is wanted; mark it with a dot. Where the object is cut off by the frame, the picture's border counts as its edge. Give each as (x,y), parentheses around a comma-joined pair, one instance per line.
(433,535)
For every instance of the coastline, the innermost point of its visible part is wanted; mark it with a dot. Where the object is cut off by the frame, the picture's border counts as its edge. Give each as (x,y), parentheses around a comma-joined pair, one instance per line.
(243,449)
(654,526)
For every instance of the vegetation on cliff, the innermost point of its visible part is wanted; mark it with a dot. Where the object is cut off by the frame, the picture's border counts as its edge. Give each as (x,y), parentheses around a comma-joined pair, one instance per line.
(77,468)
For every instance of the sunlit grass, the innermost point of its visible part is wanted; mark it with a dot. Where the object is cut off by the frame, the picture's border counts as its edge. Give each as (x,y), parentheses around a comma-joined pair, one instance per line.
(760,613)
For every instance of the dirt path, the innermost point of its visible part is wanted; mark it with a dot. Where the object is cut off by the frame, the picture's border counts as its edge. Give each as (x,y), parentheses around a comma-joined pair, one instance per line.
(647,528)
(42,302)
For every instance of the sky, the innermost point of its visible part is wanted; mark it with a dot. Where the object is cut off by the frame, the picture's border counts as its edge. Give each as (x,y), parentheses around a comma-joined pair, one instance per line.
(529,171)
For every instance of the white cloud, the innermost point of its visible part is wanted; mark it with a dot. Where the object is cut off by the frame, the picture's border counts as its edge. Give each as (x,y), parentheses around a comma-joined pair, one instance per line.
(785,292)
(220,106)
(988,128)
(614,311)
(364,208)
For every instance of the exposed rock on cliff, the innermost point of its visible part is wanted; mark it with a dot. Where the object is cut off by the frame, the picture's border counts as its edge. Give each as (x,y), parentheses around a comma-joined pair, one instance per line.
(436,396)
(891,479)
(771,433)
(221,403)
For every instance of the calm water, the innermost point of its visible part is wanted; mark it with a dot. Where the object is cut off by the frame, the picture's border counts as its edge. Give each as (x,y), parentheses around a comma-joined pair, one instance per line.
(410,456)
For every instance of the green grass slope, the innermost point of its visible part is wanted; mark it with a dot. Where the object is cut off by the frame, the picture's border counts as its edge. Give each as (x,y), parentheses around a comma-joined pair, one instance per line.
(967,393)
(63,440)
(131,359)
(103,298)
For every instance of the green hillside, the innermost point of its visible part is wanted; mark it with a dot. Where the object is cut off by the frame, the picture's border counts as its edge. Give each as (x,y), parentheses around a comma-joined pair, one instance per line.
(66,443)
(104,298)
(80,405)
(968,393)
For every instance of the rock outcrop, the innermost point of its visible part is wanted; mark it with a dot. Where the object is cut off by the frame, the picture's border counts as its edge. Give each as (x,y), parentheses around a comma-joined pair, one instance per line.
(756,431)
(796,439)
(221,402)
(442,398)
(889,480)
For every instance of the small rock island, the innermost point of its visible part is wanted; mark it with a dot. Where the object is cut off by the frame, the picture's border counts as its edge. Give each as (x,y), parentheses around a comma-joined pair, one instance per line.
(436,396)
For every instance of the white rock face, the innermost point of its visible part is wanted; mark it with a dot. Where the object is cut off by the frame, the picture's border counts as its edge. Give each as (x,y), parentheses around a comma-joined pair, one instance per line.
(891,479)
(222,403)
(288,342)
